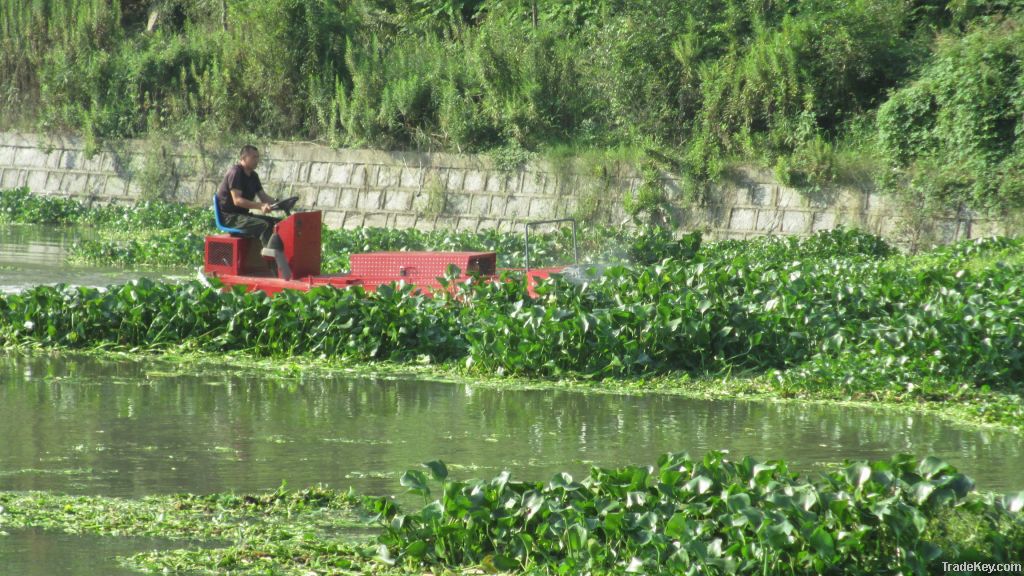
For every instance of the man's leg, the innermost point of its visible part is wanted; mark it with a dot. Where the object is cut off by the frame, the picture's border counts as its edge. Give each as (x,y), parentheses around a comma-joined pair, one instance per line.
(269,230)
(252,225)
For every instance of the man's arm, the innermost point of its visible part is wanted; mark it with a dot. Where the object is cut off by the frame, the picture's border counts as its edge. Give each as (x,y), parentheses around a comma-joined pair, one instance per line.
(241,202)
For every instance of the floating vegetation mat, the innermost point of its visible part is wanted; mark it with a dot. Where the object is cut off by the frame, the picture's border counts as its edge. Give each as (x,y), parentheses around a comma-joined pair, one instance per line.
(711,515)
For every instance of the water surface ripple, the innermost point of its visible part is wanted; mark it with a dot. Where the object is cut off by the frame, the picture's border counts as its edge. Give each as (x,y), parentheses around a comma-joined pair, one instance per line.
(79,424)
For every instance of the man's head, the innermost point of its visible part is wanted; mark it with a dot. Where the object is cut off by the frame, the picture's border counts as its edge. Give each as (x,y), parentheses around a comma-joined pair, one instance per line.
(249,157)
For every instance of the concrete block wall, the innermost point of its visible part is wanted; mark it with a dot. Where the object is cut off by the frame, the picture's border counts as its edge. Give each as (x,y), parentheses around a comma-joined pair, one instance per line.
(357,188)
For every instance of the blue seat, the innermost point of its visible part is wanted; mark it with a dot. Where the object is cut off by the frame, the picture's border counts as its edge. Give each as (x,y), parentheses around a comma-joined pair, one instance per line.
(219,222)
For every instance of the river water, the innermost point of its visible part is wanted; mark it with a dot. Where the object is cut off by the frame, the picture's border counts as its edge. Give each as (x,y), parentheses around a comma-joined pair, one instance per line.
(83,425)
(33,255)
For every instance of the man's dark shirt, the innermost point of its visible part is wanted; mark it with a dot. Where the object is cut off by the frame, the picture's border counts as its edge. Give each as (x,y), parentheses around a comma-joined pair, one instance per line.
(236,178)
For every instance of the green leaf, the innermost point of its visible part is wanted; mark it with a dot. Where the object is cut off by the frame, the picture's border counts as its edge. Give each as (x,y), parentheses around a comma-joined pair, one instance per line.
(762,472)
(437,469)
(432,512)
(562,480)
(778,535)
(922,490)
(384,555)
(416,482)
(505,563)
(636,499)
(960,484)
(700,484)
(576,536)
(857,474)
(738,502)
(805,498)
(531,502)
(932,466)
(416,549)
(822,542)
(675,528)
(613,522)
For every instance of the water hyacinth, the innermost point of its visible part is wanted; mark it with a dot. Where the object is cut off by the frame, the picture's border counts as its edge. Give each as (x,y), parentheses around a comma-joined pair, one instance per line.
(772,304)
(706,516)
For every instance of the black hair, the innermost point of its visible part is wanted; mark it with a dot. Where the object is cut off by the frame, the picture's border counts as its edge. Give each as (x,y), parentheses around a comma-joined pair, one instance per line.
(248,149)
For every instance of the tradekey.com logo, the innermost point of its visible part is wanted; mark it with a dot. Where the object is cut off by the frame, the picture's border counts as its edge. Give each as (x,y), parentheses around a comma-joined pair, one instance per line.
(975,567)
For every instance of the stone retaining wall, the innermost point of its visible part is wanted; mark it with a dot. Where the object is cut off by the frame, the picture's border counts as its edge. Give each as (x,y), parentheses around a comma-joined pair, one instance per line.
(411,190)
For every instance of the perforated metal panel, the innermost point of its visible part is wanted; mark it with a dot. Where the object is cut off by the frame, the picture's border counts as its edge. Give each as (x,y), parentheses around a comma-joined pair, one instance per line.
(220,254)
(224,254)
(398,265)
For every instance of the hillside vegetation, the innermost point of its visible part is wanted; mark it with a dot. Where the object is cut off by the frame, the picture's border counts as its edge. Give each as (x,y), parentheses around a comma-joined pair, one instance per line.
(922,97)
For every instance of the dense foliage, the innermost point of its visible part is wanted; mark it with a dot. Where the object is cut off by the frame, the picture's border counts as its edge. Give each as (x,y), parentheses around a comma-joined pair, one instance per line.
(836,315)
(952,133)
(928,89)
(839,305)
(684,516)
(21,206)
(709,516)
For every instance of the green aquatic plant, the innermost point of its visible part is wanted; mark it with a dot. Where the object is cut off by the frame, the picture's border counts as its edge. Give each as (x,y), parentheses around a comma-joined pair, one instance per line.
(761,305)
(683,515)
(19,206)
(837,314)
(756,306)
(708,515)
(172,248)
(283,531)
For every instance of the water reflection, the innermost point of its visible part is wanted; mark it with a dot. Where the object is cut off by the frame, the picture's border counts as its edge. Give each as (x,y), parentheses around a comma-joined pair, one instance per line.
(33,255)
(36,552)
(130,428)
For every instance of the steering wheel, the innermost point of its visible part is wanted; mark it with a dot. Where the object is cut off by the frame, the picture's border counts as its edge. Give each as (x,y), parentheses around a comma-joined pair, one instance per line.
(287,204)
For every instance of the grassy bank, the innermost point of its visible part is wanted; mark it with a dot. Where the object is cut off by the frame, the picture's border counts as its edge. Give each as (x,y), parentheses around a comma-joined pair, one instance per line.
(683,515)
(921,97)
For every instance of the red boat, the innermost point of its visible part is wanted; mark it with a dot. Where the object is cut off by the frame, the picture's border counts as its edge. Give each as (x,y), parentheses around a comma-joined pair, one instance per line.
(237,261)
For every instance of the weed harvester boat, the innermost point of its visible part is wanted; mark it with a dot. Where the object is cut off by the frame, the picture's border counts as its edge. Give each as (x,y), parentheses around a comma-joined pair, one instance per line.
(237,261)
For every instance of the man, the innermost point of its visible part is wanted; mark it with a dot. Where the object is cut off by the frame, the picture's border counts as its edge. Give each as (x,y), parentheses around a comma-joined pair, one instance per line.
(237,196)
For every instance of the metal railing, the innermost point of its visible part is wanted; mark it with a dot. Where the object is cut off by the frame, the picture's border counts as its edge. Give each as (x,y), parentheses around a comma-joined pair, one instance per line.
(575,250)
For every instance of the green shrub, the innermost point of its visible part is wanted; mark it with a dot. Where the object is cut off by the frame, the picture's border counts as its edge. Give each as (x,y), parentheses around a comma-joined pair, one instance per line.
(952,133)
(712,82)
